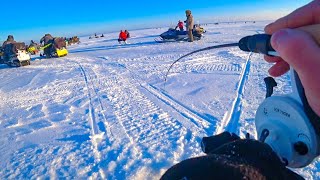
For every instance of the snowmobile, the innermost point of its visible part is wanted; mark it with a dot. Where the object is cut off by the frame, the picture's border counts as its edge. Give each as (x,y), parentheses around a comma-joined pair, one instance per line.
(173,35)
(73,40)
(199,29)
(33,50)
(15,55)
(55,49)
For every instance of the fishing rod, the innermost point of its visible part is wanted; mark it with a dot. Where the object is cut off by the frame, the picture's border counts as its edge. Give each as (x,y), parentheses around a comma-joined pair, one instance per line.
(259,43)
(200,50)
(286,122)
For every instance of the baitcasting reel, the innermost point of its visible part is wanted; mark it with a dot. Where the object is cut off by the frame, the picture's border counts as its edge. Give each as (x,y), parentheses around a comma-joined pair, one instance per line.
(289,126)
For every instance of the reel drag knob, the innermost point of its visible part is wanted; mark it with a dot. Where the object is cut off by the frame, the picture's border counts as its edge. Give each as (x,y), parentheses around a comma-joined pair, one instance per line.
(291,135)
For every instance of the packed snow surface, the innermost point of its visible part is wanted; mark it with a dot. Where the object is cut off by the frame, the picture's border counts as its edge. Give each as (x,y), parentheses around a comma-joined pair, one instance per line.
(105,112)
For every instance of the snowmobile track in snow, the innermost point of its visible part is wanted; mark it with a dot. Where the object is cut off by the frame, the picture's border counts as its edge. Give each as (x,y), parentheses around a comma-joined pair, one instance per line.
(202,123)
(97,134)
(143,123)
(230,122)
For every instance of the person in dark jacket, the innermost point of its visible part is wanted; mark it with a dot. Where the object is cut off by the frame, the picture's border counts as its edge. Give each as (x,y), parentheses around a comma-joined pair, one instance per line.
(33,44)
(128,34)
(9,40)
(47,39)
(9,47)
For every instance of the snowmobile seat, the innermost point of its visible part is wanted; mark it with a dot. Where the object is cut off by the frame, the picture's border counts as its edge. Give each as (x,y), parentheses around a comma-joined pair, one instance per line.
(182,32)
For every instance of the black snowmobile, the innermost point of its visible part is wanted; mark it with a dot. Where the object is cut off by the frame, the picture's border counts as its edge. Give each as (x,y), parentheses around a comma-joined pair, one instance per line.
(173,35)
(57,48)
(15,55)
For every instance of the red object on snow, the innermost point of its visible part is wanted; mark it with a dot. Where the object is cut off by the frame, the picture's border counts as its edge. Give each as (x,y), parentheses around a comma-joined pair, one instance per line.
(123,36)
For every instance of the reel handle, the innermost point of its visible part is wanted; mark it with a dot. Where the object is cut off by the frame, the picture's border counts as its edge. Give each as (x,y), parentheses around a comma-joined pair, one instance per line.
(294,127)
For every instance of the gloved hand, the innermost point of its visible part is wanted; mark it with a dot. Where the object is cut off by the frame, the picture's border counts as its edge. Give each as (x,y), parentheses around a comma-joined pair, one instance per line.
(210,144)
(233,158)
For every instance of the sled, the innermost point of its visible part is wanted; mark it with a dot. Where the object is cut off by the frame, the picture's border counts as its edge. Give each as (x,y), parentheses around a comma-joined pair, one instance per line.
(62,52)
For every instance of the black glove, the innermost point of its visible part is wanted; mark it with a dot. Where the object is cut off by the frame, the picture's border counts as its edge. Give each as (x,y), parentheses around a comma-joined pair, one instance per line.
(233,158)
(209,144)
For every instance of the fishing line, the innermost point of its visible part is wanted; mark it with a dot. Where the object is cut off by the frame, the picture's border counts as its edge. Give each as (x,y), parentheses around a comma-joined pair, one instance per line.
(200,50)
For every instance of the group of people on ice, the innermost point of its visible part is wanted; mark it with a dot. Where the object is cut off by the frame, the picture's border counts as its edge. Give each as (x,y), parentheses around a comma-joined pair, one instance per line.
(53,47)
(191,33)
(189,25)
(123,36)
(15,53)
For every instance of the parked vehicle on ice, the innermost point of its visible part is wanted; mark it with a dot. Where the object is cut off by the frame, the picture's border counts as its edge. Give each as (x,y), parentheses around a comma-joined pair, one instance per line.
(33,48)
(73,40)
(173,35)
(54,47)
(15,55)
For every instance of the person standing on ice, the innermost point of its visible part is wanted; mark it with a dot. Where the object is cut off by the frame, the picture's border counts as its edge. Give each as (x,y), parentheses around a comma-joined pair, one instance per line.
(230,157)
(128,34)
(47,39)
(189,24)
(122,37)
(180,25)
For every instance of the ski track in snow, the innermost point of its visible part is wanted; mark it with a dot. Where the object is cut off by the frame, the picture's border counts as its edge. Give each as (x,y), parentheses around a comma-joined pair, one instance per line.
(197,119)
(231,120)
(130,120)
(104,112)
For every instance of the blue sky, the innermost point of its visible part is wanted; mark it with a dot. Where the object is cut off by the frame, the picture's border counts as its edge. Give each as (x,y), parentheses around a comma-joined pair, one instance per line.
(30,20)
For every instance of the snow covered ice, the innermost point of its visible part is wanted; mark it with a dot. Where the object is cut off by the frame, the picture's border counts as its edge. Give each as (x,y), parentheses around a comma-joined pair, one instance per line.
(104,111)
